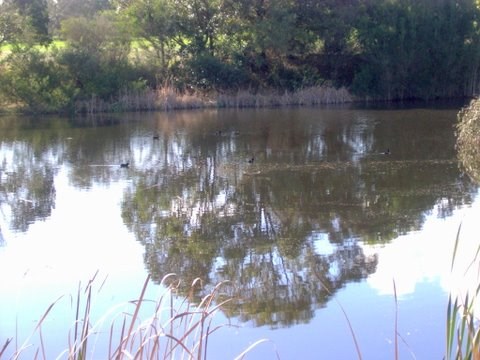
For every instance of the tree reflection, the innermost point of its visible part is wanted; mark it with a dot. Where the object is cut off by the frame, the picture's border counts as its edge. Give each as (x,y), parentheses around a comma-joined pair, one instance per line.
(26,185)
(33,150)
(286,230)
(206,212)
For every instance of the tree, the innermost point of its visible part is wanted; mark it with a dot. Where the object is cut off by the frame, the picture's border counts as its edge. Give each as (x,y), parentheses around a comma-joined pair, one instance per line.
(36,81)
(60,10)
(199,22)
(10,23)
(153,20)
(97,56)
(412,49)
(35,13)
(268,33)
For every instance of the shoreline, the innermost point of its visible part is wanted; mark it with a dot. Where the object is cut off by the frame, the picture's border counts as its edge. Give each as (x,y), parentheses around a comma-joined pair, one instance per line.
(169,99)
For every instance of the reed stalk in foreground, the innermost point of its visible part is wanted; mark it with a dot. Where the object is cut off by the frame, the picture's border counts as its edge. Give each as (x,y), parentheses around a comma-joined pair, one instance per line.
(174,330)
(463,328)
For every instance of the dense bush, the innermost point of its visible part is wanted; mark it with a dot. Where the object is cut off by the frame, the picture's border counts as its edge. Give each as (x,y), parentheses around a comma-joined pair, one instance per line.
(97,77)
(210,73)
(386,50)
(36,81)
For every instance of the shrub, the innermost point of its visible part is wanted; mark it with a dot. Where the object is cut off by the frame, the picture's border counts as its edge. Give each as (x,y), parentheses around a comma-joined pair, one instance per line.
(96,76)
(468,139)
(35,80)
(210,73)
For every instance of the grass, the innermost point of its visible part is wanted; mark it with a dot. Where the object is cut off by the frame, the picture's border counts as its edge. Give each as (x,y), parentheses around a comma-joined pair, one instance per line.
(174,330)
(316,95)
(167,98)
(463,327)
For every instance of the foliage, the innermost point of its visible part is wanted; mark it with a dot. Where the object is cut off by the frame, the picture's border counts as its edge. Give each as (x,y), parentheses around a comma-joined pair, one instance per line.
(154,21)
(35,16)
(208,72)
(36,81)
(10,23)
(97,56)
(413,49)
(60,10)
(385,50)
(468,139)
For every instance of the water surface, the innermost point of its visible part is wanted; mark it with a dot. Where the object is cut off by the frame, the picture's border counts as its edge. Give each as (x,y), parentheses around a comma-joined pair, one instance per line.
(305,211)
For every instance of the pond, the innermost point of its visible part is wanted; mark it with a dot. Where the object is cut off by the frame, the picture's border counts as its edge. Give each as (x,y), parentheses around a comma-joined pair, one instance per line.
(320,218)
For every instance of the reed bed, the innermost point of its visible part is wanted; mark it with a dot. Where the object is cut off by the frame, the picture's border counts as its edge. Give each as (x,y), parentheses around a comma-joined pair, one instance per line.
(174,330)
(168,98)
(164,99)
(318,95)
(463,324)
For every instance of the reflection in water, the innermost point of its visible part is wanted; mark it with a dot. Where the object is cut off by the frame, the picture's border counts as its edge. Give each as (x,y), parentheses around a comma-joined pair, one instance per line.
(26,185)
(202,210)
(286,229)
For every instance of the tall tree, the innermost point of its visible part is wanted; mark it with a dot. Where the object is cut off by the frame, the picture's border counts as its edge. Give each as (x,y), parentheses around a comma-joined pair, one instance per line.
(153,20)
(97,55)
(35,13)
(10,23)
(199,22)
(414,49)
(60,10)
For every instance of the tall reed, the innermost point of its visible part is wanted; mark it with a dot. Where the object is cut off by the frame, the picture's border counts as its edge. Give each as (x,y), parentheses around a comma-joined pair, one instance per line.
(316,95)
(462,327)
(168,98)
(174,329)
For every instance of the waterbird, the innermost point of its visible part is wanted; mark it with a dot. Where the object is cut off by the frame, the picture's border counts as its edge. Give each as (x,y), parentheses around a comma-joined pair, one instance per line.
(124,165)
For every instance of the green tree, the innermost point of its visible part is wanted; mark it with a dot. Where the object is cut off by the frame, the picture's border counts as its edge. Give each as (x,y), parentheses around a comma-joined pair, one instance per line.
(10,23)
(326,40)
(35,13)
(199,23)
(97,56)
(36,81)
(262,35)
(60,10)
(413,49)
(153,21)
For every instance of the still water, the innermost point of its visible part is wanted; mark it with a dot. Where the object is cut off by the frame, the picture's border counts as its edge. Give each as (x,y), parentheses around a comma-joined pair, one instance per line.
(315,216)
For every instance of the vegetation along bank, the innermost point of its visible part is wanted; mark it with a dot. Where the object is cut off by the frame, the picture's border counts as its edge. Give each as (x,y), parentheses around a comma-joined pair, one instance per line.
(118,55)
